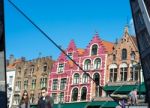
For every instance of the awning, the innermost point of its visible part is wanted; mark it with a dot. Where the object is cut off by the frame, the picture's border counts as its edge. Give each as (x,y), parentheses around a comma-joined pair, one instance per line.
(125,88)
(103,104)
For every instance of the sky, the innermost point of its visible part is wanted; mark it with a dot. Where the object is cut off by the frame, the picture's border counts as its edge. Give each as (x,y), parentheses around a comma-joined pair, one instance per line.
(62,20)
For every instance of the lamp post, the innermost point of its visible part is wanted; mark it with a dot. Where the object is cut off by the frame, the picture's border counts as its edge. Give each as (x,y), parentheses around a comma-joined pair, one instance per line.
(138,66)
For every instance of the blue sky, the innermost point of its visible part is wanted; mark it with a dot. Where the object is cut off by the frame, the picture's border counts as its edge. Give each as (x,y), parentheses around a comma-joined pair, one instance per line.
(62,20)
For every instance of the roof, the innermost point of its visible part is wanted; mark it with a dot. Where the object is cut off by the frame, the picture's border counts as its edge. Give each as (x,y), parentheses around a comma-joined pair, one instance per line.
(134,40)
(13,65)
(70,63)
(80,51)
(108,45)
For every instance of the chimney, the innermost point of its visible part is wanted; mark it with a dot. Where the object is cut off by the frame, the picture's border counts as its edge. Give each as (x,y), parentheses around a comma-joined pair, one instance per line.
(11,59)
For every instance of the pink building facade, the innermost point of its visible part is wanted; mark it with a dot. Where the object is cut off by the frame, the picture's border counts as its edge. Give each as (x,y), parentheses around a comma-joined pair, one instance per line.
(68,83)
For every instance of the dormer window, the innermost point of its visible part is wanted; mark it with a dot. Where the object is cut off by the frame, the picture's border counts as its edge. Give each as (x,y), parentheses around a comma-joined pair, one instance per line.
(60,67)
(70,55)
(94,50)
(45,67)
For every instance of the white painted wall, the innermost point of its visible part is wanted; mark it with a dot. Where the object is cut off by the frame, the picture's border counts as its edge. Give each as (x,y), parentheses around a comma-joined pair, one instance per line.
(10,82)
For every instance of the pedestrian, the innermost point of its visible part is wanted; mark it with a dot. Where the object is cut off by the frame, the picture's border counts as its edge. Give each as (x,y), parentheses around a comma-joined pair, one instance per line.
(45,101)
(133,97)
(24,103)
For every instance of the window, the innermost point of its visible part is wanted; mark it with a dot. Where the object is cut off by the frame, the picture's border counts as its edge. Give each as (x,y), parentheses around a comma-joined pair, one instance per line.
(25,72)
(134,73)
(61,97)
(70,55)
(60,68)
(83,93)
(43,82)
(87,64)
(19,71)
(54,96)
(18,85)
(25,84)
(16,100)
(31,70)
(124,54)
(76,78)
(139,19)
(144,40)
(55,83)
(33,84)
(84,78)
(113,75)
(32,98)
(45,67)
(114,57)
(123,72)
(97,88)
(10,80)
(63,83)
(132,55)
(97,63)
(75,94)
(94,50)
(147,4)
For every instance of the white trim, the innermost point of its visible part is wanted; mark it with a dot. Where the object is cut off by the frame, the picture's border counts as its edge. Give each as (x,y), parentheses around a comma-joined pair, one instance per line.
(112,66)
(123,65)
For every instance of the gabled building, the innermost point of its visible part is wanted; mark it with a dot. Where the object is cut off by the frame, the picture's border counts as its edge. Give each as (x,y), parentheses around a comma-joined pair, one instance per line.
(10,72)
(68,83)
(124,72)
(31,76)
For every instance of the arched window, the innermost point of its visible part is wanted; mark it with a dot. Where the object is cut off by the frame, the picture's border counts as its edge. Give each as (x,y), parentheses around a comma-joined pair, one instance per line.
(124,54)
(75,94)
(83,93)
(98,91)
(96,78)
(94,50)
(84,78)
(87,64)
(76,78)
(97,63)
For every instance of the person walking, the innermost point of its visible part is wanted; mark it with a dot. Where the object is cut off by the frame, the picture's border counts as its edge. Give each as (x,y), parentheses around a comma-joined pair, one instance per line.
(24,103)
(45,101)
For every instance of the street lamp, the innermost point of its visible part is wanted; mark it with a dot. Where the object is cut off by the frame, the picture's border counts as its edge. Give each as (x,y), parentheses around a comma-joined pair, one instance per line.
(138,66)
